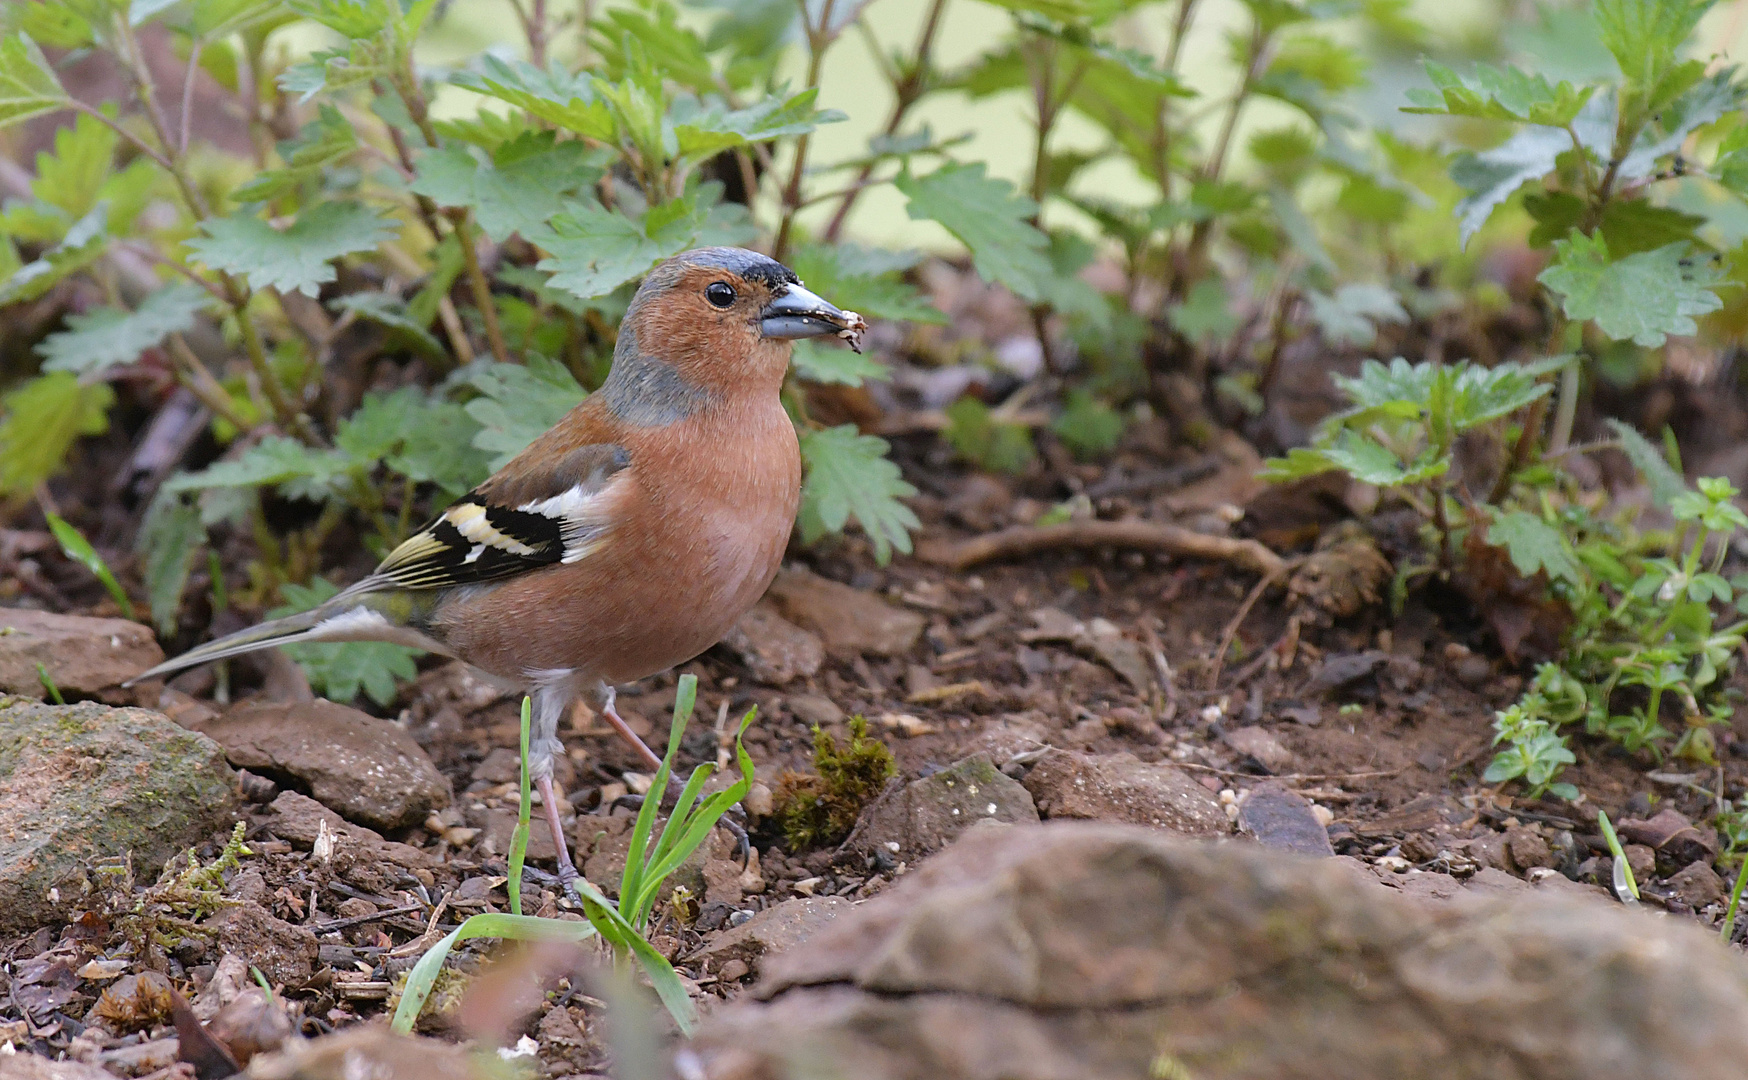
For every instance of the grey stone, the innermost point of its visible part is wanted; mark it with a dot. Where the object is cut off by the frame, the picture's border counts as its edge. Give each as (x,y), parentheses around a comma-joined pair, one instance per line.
(84,783)
(369,770)
(1283,819)
(848,620)
(775,650)
(774,930)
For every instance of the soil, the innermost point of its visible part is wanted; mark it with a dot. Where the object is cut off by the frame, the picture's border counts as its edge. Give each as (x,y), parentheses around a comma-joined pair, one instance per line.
(1385,717)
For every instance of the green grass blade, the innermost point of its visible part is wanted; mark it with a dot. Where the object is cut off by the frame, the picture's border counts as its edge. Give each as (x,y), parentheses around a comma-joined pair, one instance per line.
(1623,871)
(636,856)
(617,931)
(48,684)
(519,838)
(79,549)
(1735,899)
(491,924)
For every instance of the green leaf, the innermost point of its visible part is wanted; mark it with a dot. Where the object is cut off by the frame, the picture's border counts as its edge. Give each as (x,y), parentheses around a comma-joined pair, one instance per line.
(386,311)
(73,175)
(418,435)
(1352,315)
(169,541)
(1088,426)
(528,180)
(1492,176)
(28,86)
(1665,482)
(517,404)
(702,130)
(1203,314)
(1644,35)
(595,250)
(82,245)
(864,280)
(76,547)
(339,670)
(109,337)
(1535,546)
(989,218)
(296,259)
(554,95)
(1499,93)
(423,975)
(1370,462)
(1643,297)
(821,363)
(297,470)
(327,140)
(42,419)
(986,441)
(849,476)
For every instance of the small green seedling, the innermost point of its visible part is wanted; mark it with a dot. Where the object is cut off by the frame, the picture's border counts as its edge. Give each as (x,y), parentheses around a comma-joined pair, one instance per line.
(1624,886)
(622,925)
(48,684)
(79,549)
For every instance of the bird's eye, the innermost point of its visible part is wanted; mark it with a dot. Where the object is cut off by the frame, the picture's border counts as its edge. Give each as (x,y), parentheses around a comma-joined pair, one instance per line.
(719,293)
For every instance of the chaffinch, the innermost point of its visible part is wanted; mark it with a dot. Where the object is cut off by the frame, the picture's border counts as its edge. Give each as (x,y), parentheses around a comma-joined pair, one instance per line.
(628,538)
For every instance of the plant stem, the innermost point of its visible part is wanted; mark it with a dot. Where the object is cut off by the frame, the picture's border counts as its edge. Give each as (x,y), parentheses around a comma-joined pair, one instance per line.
(190,372)
(1203,232)
(1568,407)
(188,93)
(460,219)
(913,84)
(1727,931)
(818,40)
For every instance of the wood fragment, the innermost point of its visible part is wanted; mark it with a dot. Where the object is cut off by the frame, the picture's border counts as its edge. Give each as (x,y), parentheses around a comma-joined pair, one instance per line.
(1139,535)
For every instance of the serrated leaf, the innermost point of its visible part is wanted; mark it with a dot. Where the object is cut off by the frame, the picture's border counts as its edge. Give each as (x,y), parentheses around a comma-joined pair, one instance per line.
(1534,546)
(1370,462)
(554,95)
(849,476)
(298,471)
(83,244)
(988,217)
(1665,482)
(324,141)
(108,337)
(72,176)
(820,363)
(1088,426)
(418,435)
(340,670)
(169,541)
(296,259)
(595,250)
(1203,314)
(701,130)
(28,86)
(1499,93)
(1643,297)
(526,181)
(1644,35)
(1352,315)
(1707,100)
(41,421)
(386,311)
(1492,176)
(864,280)
(518,403)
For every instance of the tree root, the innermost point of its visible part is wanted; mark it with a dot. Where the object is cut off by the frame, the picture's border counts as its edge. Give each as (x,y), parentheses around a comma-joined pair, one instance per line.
(1138,535)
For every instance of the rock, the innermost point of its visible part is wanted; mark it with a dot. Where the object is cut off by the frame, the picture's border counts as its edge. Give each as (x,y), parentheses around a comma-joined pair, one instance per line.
(908,821)
(848,620)
(286,954)
(1528,849)
(369,770)
(775,650)
(773,930)
(500,830)
(370,1052)
(82,655)
(1698,885)
(815,709)
(1122,788)
(501,765)
(1262,746)
(83,783)
(1074,950)
(1672,838)
(1098,638)
(1283,819)
(1641,860)
(251,1024)
(299,819)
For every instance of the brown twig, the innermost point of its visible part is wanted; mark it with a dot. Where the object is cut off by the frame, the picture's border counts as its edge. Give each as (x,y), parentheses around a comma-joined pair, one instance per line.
(1141,535)
(360,920)
(1238,618)
(1294,776)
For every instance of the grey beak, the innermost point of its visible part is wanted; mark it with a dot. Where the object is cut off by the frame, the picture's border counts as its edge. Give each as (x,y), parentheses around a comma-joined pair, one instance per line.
(800,314)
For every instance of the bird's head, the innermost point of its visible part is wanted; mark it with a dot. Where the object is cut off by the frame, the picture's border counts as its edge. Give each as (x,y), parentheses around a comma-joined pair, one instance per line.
(722,319)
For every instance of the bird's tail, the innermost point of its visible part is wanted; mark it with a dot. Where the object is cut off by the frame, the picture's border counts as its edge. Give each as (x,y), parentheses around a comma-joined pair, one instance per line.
(300,627)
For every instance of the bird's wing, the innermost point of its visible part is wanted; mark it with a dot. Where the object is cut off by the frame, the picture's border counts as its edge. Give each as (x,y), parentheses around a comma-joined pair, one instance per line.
(527,516)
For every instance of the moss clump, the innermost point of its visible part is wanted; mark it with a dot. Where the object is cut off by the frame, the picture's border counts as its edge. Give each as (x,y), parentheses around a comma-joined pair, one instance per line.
(822,808)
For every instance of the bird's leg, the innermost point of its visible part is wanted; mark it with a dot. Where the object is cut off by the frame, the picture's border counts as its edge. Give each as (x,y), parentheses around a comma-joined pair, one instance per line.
(608,695)
(550,703)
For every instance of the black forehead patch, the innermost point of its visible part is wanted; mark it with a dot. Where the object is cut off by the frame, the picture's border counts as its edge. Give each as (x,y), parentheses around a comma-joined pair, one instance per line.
(750,265)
